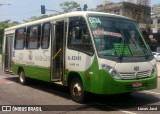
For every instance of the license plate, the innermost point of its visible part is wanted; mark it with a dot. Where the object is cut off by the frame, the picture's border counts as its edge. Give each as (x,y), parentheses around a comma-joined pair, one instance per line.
(137,84)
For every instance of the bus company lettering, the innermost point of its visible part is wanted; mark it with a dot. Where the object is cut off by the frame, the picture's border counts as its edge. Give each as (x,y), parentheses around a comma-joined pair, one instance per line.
(77,58)
(42,58)
(74,64)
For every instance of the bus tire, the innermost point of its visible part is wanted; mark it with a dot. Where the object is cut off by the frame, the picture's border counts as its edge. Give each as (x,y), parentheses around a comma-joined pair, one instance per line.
(125,94)
(77,91)
(22,78)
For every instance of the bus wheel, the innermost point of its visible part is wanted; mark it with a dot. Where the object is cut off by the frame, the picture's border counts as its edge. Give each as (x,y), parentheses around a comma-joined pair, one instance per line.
(22,78)
(76,89)
(125,94)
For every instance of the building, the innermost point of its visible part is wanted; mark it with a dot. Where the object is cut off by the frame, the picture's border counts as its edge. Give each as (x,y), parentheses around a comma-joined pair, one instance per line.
(144,2)
(138,12)
(155,18)
(140,2)
(155,8)
(130,1)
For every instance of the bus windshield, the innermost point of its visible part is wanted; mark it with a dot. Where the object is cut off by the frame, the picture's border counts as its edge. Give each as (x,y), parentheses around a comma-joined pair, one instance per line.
(116,37)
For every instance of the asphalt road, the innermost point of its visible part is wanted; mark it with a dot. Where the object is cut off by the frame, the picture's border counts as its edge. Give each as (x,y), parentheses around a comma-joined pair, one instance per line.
(56,98)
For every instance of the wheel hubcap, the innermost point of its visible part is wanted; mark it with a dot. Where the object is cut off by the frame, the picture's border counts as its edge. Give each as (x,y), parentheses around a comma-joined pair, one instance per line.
(22,77)
(77,90)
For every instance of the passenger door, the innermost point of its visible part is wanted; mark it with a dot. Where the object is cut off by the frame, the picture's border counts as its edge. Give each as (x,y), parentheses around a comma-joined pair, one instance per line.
(58,51)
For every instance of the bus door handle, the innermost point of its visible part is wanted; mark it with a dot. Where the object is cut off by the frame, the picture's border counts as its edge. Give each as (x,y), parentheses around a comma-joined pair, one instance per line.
(56,54)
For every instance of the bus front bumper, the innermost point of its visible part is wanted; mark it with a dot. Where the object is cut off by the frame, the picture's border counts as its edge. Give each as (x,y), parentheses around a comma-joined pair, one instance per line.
(109,85)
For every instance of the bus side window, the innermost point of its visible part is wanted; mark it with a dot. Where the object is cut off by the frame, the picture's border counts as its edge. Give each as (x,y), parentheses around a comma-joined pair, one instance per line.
(33,37)
(79,38)
(45,36)
(19,38)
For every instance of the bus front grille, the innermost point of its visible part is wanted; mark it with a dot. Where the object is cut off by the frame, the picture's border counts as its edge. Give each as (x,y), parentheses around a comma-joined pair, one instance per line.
(135,75)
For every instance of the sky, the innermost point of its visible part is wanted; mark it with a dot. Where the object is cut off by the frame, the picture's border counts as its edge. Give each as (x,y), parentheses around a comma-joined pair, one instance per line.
(18,10)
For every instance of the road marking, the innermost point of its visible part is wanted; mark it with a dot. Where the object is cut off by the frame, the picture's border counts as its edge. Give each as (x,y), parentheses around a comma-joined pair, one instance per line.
(152,92)
(127,112)
(123,111)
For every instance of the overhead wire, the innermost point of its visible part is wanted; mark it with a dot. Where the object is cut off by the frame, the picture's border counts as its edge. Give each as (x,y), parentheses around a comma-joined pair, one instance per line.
(22,13)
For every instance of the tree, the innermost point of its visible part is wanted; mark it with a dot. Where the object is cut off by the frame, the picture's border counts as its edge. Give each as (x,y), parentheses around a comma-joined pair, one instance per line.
(34,18)
(3,25)
(69,6)
(7,23)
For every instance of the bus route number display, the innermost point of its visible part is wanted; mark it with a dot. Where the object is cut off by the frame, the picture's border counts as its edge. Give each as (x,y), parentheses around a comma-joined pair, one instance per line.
(119,48)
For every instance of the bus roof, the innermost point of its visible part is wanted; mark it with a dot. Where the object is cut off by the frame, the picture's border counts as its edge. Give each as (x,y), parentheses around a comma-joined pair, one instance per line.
(62,16)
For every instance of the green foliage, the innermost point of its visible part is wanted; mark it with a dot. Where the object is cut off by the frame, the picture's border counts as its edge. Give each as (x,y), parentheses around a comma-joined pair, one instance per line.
(1,35)
(3,25)
(7,23)
(69,6)
(34,18)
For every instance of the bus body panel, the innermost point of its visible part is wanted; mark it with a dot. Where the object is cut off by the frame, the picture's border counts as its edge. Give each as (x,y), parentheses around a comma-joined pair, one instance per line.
(99,81)
(40,57)
(108,85)
(78,61)
(39,73)
(36,63)
(87,68)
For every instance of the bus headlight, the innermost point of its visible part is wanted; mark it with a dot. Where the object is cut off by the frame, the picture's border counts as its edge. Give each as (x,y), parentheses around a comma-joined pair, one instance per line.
(154,70)
(111,70)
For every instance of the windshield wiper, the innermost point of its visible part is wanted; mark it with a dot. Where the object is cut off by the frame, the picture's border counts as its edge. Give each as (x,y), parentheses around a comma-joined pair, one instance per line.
(145,52)
(120,57)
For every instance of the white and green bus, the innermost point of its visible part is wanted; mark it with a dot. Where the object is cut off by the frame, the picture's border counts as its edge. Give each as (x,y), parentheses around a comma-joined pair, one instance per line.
(87,51)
